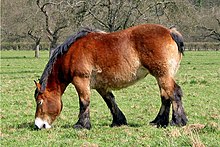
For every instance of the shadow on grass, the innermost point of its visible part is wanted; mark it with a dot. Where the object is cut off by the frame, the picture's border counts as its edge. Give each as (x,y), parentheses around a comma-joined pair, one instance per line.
(19,57)
(26,125)
(133,125)
(67,126)
(21,72)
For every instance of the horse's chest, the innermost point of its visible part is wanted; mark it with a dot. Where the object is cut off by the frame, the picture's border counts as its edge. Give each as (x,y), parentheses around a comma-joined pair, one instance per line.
(117,77)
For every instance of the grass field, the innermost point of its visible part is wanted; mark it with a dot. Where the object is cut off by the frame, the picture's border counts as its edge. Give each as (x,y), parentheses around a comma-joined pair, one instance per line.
(199,77)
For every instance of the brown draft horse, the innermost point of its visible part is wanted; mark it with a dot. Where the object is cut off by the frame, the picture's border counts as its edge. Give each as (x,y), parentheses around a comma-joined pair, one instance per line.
(93,59)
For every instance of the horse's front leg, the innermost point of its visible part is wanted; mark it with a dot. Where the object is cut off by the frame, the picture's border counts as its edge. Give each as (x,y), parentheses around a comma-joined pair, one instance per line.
(83,90)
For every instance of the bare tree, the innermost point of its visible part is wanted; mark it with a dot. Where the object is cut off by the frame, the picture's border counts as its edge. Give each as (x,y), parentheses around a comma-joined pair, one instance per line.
(37,38)
(21,24)
(58,17)
(210,32)
(208,27)
(112,15)
(12,26)
(197,20)
(53,31)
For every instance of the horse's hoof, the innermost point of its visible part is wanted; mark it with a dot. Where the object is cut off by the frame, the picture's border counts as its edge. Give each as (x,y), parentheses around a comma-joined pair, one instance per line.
(179,120)
(79,126)
(153,123)
(159,123)
(183,122)
(118,124)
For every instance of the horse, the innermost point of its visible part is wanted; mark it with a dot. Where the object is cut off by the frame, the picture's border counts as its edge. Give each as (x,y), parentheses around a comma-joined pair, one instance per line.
(94,59)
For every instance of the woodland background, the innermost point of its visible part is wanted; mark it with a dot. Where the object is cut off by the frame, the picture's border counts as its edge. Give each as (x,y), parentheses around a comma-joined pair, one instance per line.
(43,24)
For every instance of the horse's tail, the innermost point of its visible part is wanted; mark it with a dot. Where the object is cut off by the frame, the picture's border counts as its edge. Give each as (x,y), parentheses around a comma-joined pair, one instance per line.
(178,38)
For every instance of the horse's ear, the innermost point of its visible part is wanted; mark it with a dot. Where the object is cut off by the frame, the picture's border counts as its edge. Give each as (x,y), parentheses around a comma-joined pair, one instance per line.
(37,85)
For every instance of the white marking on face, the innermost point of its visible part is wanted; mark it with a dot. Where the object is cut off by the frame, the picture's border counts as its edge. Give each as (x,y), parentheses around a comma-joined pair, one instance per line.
(41,123)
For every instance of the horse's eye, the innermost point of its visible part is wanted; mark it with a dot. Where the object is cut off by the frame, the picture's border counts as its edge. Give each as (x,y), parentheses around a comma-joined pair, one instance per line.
(40,102)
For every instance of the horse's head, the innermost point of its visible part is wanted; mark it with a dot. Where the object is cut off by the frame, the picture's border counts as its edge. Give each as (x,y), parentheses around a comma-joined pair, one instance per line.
(49,106)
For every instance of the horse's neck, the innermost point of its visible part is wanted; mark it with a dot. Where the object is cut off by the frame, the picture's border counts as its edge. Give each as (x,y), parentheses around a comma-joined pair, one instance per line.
(56,87)
(54,84)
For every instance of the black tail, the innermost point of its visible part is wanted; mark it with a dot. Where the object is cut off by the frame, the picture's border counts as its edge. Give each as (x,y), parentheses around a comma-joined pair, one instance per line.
(177,37)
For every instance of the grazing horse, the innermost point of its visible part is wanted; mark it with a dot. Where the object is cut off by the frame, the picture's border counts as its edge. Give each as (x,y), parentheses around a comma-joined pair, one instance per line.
(93,59)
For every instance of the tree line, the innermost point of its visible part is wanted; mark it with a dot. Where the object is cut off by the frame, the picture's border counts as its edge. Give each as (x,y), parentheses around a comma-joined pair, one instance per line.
(53,20)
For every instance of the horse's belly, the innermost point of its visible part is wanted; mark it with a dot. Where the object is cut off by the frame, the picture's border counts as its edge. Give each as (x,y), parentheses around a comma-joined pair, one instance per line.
(119,78)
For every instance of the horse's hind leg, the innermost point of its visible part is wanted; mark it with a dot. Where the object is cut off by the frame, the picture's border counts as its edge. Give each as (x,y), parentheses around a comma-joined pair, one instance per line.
(171,93)
(178,116)
(118,117)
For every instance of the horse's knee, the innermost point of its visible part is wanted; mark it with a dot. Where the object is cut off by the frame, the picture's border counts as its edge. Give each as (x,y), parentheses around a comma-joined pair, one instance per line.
(171,91)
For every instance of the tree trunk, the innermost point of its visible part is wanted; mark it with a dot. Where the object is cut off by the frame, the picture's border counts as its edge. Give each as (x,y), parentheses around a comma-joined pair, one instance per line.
(37,51)
(53,44)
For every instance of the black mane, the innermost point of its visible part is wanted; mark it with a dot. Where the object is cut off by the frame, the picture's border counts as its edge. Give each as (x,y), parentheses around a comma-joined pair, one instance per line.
(59,51)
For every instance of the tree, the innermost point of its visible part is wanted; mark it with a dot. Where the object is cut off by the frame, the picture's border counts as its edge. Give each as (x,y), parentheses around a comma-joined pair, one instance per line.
(113,15)
(209,24)
(54,20)
(12,26)
(58,17)
(53,31)
(211,33)
(22,24)
(37,38)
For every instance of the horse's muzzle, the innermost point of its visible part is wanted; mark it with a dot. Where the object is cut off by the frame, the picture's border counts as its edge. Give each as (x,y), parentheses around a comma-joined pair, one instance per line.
(39,124)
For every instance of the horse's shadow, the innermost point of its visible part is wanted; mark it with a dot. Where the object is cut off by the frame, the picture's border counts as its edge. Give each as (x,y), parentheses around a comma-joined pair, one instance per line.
(30,125)
(133,125)
(26,125)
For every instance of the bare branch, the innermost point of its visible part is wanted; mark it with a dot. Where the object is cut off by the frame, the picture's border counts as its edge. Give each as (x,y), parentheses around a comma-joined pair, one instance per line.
(36,38)
(53,35)
(30,33)
(210,33)
(99,20)
(59,28)
(46,15)
(218,20)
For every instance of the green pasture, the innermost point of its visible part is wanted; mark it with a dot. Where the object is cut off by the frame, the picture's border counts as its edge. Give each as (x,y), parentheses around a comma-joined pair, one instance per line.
(199,77)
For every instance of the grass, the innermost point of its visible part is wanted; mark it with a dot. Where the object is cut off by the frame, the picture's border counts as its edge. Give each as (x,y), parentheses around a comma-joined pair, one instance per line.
(199,77)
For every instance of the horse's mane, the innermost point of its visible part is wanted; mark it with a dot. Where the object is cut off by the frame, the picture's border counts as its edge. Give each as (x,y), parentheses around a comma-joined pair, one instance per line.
(59,51)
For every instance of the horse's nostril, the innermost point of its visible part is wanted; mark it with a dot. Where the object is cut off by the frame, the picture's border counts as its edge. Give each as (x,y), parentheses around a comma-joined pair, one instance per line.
(36,128)
(44,126)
